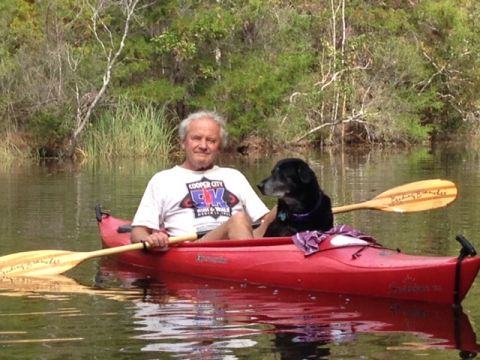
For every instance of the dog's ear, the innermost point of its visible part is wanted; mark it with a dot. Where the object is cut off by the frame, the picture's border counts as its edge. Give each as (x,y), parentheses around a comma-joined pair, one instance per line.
(305,174)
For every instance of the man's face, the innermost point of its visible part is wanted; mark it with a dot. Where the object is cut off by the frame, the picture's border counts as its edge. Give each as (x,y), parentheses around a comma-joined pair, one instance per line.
(201,144)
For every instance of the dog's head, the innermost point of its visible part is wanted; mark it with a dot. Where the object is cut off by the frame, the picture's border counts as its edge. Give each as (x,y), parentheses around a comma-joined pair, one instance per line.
(289,179)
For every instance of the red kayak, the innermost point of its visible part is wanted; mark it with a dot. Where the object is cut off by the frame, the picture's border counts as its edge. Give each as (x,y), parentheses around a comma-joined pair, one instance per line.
(343,265)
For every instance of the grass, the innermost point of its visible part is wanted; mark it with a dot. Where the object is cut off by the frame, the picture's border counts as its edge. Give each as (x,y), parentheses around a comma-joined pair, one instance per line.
(14,147)
(130,131)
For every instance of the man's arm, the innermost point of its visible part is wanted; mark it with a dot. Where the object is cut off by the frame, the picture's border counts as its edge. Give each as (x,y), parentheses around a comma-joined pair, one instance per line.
(265,220)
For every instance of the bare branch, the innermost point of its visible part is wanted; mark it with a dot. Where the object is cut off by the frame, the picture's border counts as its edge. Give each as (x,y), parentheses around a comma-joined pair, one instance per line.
(355,117)
(72,62)
(440,70)
(292,97)
(83,115)
(326,82)
(95,16)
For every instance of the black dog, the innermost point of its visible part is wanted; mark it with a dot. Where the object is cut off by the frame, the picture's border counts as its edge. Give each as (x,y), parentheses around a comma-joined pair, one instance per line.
(302,205)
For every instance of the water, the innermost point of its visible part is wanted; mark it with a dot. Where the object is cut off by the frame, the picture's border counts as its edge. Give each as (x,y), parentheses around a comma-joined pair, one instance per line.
(100,310)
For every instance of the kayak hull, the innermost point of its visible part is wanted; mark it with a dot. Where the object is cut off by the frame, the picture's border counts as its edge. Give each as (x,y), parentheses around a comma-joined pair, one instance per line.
(351,269)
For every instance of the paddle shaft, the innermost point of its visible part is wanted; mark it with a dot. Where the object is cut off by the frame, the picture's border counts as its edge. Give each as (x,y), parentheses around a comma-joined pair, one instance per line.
(138,246)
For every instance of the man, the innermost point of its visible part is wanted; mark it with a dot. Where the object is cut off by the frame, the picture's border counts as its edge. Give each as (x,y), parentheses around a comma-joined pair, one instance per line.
(199,196)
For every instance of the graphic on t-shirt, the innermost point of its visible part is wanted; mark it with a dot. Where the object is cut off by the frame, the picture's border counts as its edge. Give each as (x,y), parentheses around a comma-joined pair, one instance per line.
(209,198)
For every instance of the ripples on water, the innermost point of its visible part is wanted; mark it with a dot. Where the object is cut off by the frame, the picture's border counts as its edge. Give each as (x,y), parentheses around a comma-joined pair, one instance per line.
(100,311)
(128,312)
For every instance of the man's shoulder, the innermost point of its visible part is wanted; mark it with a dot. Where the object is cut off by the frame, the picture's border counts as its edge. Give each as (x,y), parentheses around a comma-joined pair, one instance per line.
(166,173)
(232,175)
(179,172)
(226,170)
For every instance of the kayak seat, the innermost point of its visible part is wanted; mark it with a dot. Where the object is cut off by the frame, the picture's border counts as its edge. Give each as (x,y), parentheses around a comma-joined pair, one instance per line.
(124,228)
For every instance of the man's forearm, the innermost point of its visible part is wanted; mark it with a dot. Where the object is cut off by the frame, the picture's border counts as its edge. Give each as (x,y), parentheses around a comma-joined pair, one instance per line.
(139,233)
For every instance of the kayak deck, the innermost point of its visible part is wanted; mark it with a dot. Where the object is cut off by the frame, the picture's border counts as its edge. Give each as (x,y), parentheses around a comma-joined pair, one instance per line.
(350,269)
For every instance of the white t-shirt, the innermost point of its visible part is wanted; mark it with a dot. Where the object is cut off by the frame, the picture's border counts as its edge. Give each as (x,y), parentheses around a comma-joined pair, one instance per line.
(182,200)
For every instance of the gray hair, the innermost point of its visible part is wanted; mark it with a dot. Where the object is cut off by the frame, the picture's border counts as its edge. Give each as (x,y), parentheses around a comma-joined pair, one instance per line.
(183,127)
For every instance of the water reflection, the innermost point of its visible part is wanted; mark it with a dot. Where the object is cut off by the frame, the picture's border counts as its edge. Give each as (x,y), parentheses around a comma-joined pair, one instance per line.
(57,287)
(186,315)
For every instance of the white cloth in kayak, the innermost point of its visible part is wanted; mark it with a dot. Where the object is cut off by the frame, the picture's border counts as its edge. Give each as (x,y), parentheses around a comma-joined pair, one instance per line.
(309,241)
(181,200)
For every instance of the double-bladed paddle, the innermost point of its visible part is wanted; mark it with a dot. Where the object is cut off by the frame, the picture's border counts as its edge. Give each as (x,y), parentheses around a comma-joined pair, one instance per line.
(416,196)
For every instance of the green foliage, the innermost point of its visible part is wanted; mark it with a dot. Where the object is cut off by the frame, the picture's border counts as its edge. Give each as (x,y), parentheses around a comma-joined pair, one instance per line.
(176,43)
(185,37)
(253,90)
(130,130)
(278,69)
(157,91)
(258,79)
(49,125)
(450,40)
(22,21)
(412,129)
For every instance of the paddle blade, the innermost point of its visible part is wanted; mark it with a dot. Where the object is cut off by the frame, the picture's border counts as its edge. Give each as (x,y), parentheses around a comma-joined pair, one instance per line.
(55,262)
(40,263)
(417,196)
(412,197)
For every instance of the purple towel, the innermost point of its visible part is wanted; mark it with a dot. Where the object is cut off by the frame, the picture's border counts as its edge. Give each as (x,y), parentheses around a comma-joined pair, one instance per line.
(309,241)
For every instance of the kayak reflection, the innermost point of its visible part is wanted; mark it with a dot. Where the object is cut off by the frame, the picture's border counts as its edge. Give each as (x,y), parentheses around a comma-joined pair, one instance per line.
(302,323)
(58,287)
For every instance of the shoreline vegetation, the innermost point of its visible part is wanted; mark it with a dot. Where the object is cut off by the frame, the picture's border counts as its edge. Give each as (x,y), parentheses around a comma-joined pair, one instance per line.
(82,80)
